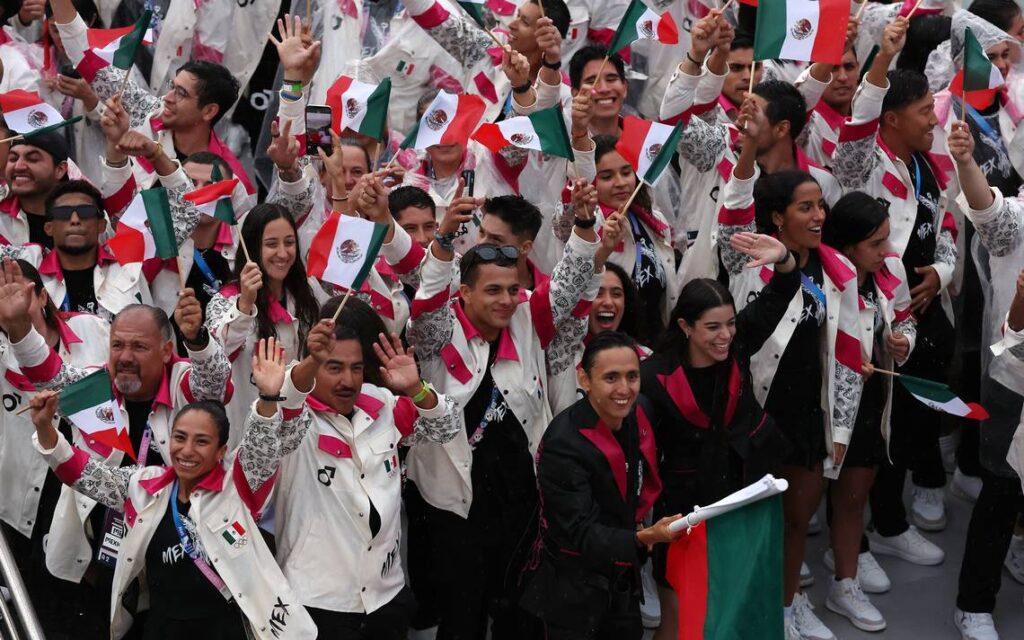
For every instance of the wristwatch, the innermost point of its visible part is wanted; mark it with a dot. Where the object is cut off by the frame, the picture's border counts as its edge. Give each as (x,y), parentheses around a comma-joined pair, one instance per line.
(550,65)
(523,88)
(584,223)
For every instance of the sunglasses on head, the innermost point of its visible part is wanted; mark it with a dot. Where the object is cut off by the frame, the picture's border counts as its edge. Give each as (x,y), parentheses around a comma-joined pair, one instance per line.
(492,253)
(85,211)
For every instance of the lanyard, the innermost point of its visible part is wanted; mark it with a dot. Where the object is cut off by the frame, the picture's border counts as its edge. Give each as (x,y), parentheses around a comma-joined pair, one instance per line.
(814,289)
(147,437)
(189,548)
(986,128)
(917,177)
(200,262)
(637,236)
(478,434)
(66,305)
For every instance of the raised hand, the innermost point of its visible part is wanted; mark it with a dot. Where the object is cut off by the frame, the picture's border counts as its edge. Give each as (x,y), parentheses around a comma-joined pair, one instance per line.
(515,66)
(459,211)
(704,35)
(894,37)
(549,41)
(135,143)
(31,10)
(851,33)
(268,365)
(748,120)
(334,165)
(398,370)
(114,121)
(15,299)
(582,111)
(584,198)
(79,89)
(44,407)
(250,282)
(284,148)
(188,314)
(761,248)
(299,55)
(961,143)
(373,199)
(612,232)
(320,341)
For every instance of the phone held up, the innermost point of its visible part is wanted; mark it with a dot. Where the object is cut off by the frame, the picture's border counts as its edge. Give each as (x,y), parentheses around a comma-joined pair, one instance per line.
(318,129)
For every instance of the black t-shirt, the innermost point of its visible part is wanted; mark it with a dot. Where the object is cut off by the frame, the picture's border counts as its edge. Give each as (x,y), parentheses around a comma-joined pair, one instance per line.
(649,277)
(920,249)
(138,418)
(503,478)
(629,441)
(81,293)
(36,233)
(178,589)
(990,150)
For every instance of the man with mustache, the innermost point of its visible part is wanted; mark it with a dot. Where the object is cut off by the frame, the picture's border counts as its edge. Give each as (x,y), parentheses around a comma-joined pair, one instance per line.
(80,274)
(151,384)
(35,166)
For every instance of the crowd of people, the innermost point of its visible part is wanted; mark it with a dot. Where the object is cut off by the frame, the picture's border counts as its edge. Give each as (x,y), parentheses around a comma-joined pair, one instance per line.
(549,361)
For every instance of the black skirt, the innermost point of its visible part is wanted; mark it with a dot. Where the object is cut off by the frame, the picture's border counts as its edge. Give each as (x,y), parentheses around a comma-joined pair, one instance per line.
(867,446)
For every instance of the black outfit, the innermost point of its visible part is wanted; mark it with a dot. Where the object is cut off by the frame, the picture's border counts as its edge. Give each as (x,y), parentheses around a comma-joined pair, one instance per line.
(138,422)
(36,233)
(914,440)
(585,581)
(706,452)
(867,446)
(182,600)
(795,397)
(649,277)
(81,294)
(390,622)
(475,562)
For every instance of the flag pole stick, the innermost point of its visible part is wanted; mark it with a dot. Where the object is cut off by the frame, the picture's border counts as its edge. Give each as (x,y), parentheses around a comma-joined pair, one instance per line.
(390,162)
(863,4)
(725,6)
(911,14)
(597,78)
(12,138)
(963,107)
(341,306)
(888,373)
(124,83)
(182,276)
(23,410)
(540,5)
(495,38)
(309,10)
(376,155)
(753,68)
(245,249)
(625,207)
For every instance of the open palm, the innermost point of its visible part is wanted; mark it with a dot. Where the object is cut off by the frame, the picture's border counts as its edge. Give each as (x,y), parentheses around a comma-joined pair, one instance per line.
(398,366)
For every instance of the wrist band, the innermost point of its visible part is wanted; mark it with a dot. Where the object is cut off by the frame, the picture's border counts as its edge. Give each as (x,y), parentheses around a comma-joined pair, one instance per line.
(422,394)
(291,97)
(294,84)
(276,398)
(120,165)
(523,88)
(690,58)
(786,257)
(550,65)
(584,223)
(342,199)
(444,240)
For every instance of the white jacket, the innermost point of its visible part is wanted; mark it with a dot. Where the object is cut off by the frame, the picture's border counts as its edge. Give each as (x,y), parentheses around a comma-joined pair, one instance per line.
(205,376)
(226,507)
(83,342)
(452,356)
(115,285)
(324,542)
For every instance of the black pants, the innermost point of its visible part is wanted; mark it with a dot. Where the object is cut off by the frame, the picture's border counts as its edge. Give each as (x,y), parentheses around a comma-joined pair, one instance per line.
(475,572)
(390,622)
(622,626)
(914,427)
(970,391)
(988,538)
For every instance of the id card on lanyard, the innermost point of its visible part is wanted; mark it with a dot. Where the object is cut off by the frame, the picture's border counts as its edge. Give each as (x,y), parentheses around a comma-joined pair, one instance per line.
(211,284)
(190,550)
(114,529)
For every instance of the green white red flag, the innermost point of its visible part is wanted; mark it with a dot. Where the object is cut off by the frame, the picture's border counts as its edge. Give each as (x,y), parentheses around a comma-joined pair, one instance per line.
(121,51)
(542,131)
(940,397)
(979,72)
(804,30)
(643,23)
(214,200)
(648,146)
(475,9)
(344,249)
(145,229)
(359,106)
(90,405)
(450,119)
(25,112)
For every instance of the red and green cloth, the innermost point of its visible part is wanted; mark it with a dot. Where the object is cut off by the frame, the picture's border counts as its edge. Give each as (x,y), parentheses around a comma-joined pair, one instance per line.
(359,106)
(120,50)
(648,146)
(727,574)
(145,230)
(804,30)
(940,397)
(542,131)
(642,23)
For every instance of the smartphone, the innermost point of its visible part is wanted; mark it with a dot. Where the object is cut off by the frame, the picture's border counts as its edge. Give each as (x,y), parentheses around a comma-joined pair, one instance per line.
(318,129)
(469,176)
(67,69)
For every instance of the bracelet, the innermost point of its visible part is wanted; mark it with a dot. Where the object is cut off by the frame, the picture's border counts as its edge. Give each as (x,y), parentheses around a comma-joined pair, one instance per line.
(523,88)
(445,240)
(159,150)
(275,398)
(422,394)
(550,65)
(119,165)
(584,223)
(786,258)
(688,57)
(341,199)
(295,85)
(291,97)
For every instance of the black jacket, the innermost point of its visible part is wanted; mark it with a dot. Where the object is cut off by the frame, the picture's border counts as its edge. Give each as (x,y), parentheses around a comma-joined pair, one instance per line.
(593,492)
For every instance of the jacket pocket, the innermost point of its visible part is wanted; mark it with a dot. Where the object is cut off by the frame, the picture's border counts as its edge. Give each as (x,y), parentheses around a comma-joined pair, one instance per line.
(230,534)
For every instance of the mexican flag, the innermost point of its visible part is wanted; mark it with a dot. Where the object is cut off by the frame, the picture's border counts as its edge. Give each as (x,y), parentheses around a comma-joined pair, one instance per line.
(359,106)
(542,130)
(106,42)
(641,23)
(979,72)
(344,249)
(25,112)
(450,119)
(804,30)
(475,9)
(145,229)
(940,397)
(215,200)
(120,51)
(727,574)
(648,146)
(90,405)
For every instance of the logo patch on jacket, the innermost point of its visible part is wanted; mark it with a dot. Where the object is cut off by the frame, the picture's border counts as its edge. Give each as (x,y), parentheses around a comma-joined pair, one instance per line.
(391,464)
(235,535)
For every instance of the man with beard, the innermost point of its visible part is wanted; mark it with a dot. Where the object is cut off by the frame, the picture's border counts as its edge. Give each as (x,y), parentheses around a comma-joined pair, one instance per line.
(35,166)
(80,275)
(151,385)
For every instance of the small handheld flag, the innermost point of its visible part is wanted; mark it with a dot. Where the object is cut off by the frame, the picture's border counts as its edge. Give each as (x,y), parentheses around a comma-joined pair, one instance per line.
(90,405)
(940,397)
(542,130)
(450,119)
(359,106)
(804,30)
(215,200)
(979,72)
(642,23)
(648,146)
(145,229)
(25,112)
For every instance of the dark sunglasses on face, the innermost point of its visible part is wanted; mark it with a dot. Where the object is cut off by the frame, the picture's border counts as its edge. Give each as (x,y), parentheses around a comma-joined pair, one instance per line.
(85,211)
(492,253)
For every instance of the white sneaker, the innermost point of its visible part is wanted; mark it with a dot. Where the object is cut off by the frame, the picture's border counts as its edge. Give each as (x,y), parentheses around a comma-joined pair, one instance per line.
(846,598)
(975,626)
(909,545)
(814,525)
(965,486)
(808,624)
(947,450)
(1014,562)
(927,509)
(870,574)
(789,624)
(806,577)
(650,607)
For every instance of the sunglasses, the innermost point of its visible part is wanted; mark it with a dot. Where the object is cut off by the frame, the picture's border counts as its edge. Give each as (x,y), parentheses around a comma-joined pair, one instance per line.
(85,211)
(492,253)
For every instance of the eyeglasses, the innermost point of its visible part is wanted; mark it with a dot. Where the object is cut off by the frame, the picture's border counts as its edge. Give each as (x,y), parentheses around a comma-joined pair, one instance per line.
(85,211)
(505,256)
